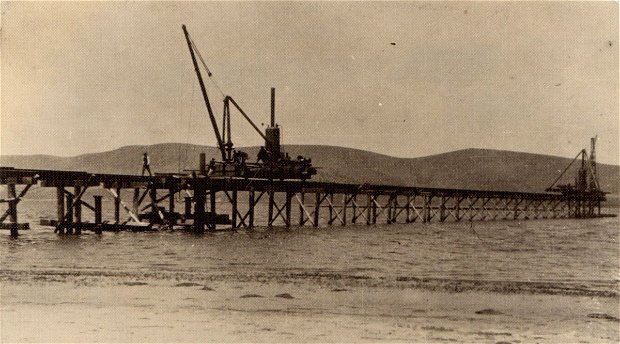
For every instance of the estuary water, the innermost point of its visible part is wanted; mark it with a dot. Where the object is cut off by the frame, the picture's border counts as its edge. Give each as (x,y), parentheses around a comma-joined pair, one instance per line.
(554,256)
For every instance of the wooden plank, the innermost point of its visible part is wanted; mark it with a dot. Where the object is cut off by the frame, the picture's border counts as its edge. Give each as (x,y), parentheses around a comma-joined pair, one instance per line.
(15,226)
(131,213)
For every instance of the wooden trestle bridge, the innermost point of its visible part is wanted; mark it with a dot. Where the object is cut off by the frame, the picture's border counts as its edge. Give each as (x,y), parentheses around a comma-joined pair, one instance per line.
(235,202)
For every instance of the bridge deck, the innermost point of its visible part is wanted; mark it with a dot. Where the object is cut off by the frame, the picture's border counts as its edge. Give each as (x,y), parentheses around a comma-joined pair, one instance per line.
(395,203)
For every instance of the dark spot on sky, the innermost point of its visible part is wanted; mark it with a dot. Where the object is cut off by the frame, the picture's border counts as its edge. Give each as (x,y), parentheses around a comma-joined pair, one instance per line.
(558,84)
(393,43)
(465,12)
(610,43)
(512,77)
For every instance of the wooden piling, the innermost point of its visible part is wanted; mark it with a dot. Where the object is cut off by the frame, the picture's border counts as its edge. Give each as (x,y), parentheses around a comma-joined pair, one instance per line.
(97,209)
(136,201)
(200,197)
(389,209)
(373,206)
(317,207)
(331,208)
(12,195)
(270,210)
(442,209)
(77,190)
(60,208)
(251,204)
(369,204)
(117,206)
(212,199)
(171,205)
(302,219)
(234,208)
(69,215)
(289,197)
(98,213)
(345,200)
(154,211)
(354,208)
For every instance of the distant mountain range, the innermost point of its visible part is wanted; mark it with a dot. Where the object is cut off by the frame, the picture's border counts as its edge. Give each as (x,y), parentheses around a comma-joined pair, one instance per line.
(482,169)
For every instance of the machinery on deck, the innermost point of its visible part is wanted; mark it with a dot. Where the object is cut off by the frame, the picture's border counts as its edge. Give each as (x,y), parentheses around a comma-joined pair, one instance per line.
(271,163)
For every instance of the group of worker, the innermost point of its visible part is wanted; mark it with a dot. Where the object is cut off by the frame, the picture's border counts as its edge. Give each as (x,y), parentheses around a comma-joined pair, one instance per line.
(239,157)
(265,156)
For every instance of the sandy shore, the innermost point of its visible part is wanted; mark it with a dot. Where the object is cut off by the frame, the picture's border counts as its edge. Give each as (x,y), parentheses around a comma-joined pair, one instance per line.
(117,310)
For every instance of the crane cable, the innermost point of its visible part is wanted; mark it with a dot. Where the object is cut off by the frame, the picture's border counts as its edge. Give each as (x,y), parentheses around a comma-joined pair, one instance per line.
(209,74)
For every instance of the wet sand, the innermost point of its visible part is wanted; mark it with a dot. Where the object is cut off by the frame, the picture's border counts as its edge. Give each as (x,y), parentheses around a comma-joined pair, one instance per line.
(116,309)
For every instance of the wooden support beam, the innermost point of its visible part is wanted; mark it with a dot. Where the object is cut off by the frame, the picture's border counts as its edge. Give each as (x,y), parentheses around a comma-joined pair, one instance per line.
(442,209)
(188,207)
(136,201)
(302,209)
(373,207)
(171,205)
(67,220)
(390,209)
(289,197)
(12,193)
(154,209)
(317,207)
(271,203)
(425,210)
(238,219)
(470,209)
(235,210)
(334,213)
(516,209)
(213,208)
(60,207)
(200,196)
(408,209)
(330,204)
(369,204)
(98,209)
(131,213)
(354,208)
(345,202)
(251,203)
(117,206)
(16,201)
(82,202)
(77,190)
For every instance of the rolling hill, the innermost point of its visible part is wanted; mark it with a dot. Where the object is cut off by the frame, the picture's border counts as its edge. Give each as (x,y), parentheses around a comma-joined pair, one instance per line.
(482,169)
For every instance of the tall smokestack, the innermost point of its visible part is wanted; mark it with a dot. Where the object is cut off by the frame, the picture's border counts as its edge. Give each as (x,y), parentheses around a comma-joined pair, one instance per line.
(273,107)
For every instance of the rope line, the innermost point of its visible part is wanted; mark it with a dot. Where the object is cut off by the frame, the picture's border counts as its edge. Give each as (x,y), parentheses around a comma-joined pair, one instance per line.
(209,74)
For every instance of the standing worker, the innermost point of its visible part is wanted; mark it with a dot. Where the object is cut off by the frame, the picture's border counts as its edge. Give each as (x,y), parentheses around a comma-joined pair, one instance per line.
(146,164)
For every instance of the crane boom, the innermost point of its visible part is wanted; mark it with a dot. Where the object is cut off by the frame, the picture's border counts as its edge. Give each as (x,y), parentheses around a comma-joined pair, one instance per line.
(218,136)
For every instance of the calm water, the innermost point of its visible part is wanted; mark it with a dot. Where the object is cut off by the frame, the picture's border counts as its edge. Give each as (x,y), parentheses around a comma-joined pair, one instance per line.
(574,254)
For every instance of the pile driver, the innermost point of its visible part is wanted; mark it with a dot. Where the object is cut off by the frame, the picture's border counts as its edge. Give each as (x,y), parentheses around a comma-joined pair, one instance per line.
(272,161)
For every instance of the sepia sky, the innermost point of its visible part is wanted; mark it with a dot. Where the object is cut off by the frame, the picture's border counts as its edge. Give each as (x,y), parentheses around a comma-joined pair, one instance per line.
(82,77)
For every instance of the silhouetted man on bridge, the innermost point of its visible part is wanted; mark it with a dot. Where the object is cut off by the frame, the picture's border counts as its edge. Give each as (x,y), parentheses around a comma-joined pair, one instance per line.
(146,164)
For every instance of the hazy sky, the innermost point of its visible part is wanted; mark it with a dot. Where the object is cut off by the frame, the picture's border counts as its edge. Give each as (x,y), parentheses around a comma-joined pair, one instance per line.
(94,76)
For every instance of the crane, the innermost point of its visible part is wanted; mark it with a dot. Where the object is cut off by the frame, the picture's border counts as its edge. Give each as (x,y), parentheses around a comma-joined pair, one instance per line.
(272,162)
